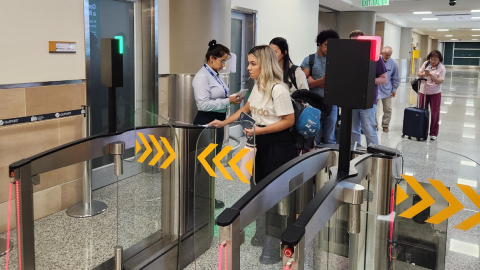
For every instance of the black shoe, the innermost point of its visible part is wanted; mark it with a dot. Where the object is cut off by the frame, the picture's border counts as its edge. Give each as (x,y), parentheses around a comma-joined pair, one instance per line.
(219,204)
(271,251)
(257,241)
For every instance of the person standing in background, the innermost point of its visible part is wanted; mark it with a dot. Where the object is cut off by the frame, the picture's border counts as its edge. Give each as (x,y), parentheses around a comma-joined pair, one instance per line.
(364,120)
(314,68)
(211,93)
(432,88)
(280,46)
(387,91)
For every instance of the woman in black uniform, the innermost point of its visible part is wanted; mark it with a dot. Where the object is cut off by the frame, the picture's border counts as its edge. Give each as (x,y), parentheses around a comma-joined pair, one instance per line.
(211,93)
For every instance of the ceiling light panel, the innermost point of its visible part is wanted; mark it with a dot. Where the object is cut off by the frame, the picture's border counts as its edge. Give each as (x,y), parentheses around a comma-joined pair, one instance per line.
(423,12)
(443,30)
(429,19)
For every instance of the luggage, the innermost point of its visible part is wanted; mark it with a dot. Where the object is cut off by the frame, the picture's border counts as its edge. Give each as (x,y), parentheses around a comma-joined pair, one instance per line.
(416,121)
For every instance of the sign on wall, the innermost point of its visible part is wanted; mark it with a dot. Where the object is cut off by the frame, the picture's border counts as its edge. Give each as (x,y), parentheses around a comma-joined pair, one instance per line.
(374,3)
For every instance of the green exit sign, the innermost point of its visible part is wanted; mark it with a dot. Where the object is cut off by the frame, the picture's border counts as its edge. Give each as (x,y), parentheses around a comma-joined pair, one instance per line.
(374,3)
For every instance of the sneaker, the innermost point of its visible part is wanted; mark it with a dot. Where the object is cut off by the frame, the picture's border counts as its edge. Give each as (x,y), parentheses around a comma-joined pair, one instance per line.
(433,138)
(219,204)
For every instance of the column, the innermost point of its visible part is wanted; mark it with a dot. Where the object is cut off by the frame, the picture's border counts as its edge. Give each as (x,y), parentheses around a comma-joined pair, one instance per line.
(406,43)
(356,20)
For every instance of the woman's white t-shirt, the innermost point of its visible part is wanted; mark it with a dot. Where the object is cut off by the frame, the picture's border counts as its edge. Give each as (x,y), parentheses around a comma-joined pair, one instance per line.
(300,79)
(267,111)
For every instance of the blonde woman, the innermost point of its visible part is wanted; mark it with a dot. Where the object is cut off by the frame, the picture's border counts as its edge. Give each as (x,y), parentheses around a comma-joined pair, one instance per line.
(271,108)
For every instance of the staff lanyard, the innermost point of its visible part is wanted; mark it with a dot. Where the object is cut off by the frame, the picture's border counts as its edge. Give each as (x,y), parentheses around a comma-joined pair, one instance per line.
(217,79)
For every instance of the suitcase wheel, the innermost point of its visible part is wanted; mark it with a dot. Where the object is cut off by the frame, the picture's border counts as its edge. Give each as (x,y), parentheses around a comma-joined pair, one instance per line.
(403,136)
(418,139)
(409,137)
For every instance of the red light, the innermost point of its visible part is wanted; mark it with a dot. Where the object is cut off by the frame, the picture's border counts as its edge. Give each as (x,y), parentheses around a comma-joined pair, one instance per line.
(288,252)
(12,174)
(375,49)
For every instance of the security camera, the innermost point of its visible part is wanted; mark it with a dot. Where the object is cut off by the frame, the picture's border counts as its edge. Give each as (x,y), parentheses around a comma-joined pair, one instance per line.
(452,2)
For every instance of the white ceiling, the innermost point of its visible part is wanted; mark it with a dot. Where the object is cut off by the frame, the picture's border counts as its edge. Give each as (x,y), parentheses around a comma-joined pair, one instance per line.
(400,12)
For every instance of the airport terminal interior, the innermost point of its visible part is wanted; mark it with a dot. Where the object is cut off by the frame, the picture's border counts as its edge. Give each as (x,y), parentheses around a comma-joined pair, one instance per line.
(104,164)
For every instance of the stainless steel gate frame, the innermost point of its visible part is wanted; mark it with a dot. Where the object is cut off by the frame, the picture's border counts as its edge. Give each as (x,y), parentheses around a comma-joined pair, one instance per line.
(80,151)
(268,193)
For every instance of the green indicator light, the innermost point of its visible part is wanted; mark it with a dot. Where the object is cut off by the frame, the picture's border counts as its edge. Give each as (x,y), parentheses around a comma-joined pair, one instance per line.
(120,43)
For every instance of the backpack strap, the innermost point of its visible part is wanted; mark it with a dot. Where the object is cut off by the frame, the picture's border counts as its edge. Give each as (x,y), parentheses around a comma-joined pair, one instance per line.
(291,75)
(311,62)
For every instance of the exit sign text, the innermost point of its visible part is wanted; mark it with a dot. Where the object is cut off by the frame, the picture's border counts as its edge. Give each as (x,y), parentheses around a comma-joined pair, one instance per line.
(374,3)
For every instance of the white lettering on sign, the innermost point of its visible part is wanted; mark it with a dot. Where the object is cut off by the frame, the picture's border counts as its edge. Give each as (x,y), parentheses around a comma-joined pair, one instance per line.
(374,3)
(62,114)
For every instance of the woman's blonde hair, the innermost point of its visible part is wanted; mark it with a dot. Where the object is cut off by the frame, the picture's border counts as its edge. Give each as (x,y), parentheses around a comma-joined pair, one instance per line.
(270,71)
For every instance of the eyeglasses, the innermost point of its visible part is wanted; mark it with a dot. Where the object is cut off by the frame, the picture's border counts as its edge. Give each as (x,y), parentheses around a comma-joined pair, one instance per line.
(222,60)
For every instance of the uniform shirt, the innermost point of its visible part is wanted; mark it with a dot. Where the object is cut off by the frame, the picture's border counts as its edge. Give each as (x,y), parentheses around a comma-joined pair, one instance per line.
(318,71)
(209,94)
(386,90)
(300,79)
(266,108)
(430,87)
(379,71)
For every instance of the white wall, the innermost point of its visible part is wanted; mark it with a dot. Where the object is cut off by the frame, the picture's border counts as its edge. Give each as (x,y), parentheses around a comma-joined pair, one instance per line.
(297,21)
(391,37)
(25,33)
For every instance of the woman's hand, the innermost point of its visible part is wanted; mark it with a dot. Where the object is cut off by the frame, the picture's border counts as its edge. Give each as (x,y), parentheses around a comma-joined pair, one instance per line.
(234,99)
(427,72)
(252,131)
(217,123)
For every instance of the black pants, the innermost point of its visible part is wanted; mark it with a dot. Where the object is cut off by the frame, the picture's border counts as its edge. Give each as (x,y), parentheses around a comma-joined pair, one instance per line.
(273,151)
(204,118)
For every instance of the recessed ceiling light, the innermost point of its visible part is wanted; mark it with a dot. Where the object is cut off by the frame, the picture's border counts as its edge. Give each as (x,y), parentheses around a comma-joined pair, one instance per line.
(432,19)
(423,12)
(475,10)
(449,35)
(454,39)
(475,35)
(443,30)
(475,29)
(475,18)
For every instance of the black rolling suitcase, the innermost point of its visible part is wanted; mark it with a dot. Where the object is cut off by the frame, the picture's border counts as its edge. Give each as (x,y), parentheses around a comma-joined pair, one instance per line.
(416,120)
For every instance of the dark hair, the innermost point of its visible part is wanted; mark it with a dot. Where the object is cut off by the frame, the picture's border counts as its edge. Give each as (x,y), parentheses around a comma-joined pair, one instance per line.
(435,53)
(325,35)
(283,46)
(216,50)
(356,33)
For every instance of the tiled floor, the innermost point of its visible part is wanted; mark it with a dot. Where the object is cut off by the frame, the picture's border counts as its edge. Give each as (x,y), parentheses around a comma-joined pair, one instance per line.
(67,243)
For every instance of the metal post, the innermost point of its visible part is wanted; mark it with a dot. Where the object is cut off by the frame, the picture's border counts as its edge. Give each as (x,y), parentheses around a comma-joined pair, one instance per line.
(118,258)
(27,232)
(231,237)
(345,140)
(3,247)
(117,149)
(294,257)
(353,196)
(87,208)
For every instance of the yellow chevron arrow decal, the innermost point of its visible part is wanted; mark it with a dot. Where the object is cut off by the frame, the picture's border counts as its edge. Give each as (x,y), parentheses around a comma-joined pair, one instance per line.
(475,219)
(235,168)
(160,153)
(147,146)
(453,208)
(170,150)
(137,147)
(401,195)
(202,160)
(426,201)
(216,160)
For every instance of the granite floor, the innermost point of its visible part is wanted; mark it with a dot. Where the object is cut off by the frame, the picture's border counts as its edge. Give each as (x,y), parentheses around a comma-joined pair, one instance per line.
(64,243)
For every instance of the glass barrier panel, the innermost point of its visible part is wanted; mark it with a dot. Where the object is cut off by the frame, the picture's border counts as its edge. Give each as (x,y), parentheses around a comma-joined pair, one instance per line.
(71,231)
(222,175)
(148,187)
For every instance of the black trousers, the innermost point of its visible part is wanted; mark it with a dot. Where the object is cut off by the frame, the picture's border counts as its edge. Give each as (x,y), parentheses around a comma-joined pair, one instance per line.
(273,150)
(204,118)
